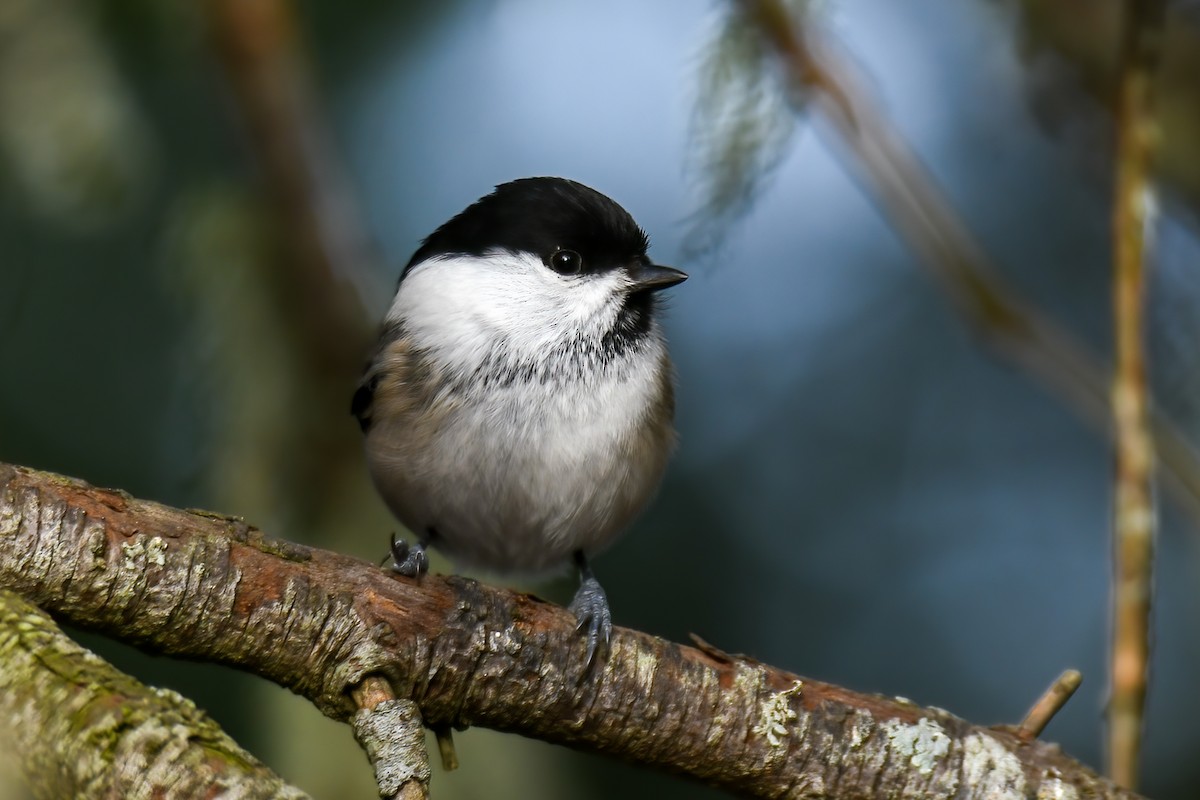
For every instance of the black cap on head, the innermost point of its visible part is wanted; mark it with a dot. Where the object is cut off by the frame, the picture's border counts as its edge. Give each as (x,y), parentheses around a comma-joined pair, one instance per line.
(542,216)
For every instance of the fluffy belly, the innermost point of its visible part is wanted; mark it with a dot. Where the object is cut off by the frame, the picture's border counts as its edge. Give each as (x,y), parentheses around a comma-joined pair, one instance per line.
(509,491)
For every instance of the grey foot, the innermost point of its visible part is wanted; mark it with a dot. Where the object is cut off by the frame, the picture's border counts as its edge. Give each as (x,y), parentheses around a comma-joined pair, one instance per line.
(590,607)
(409,561)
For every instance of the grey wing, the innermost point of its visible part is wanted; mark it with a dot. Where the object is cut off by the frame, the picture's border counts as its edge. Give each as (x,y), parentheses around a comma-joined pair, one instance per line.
(390,355)
(364,396)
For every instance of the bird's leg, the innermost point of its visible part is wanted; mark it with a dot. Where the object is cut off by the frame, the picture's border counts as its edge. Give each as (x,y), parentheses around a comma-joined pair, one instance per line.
(590,607)
(411,561)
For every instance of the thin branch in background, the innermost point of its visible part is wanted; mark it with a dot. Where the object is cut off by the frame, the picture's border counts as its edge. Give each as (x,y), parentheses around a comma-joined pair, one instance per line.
(314,291)
(918,209)
(327,269)
(1134,518)
(1049,704)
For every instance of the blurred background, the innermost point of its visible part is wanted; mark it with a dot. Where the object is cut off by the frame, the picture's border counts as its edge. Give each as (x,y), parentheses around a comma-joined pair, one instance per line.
(204,207)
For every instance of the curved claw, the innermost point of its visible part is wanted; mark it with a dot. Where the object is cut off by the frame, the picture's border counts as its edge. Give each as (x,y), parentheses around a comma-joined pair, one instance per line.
(590,607)
(409,561)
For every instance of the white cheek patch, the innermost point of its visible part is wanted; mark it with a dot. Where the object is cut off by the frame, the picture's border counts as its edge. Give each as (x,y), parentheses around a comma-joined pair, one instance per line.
(461,307)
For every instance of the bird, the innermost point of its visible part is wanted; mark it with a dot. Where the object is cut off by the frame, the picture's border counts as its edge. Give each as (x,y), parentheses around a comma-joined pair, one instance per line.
(518,407)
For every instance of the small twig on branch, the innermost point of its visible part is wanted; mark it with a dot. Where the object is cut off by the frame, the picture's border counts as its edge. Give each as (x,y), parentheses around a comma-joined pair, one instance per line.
(1049,704)
(391,733)
(445,743)
(106,734)
(918,209)
(465,654)
(1134,518)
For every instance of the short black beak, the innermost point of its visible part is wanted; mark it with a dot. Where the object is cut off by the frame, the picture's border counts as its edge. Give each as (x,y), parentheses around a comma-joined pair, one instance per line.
(652,278)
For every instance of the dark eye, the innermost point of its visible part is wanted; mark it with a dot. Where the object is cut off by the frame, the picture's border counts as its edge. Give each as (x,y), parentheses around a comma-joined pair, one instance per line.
(566,262)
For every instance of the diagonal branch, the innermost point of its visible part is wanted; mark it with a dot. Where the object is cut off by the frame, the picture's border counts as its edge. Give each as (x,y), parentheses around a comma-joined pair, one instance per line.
(921,214)
(325,279)
(208,587)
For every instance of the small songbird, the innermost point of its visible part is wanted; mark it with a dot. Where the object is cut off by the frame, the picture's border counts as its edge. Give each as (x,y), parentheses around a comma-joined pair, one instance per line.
(518,406)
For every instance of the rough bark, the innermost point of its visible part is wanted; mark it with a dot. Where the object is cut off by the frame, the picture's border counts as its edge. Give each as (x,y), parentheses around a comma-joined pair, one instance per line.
(208,587)
(81,728)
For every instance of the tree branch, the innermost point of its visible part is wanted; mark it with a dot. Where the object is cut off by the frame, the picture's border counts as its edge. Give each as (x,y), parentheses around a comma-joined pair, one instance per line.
(203,586)
(921,214)
(324,279)
(1134,516)
(390,731)
(83,729)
